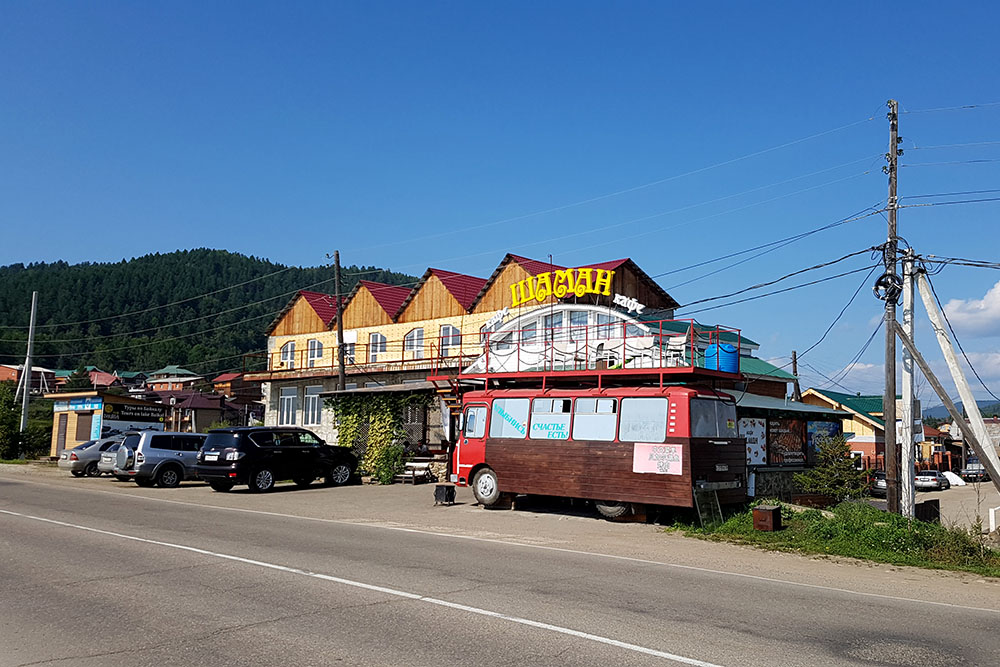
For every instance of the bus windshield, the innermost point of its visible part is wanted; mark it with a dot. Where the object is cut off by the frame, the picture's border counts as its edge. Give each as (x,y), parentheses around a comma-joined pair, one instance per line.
(712,418)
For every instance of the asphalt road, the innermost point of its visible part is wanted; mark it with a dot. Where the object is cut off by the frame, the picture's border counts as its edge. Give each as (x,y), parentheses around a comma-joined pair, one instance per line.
(98,573)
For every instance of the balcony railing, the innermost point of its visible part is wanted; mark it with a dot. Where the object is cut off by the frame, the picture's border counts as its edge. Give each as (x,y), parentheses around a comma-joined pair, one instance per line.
(619,346)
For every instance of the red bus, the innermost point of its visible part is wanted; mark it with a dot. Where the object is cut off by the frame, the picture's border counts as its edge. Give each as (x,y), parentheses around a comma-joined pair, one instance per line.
(617,446)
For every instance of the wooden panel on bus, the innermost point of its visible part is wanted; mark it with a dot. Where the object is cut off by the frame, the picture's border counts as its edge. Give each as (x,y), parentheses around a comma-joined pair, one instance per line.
(586,469)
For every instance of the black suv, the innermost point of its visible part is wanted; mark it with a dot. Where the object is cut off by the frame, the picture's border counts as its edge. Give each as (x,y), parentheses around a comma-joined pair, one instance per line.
(259,456)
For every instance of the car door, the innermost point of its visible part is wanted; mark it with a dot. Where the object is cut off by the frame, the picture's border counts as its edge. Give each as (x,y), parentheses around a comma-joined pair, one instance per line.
(188,446)
(472,441)
(287,454)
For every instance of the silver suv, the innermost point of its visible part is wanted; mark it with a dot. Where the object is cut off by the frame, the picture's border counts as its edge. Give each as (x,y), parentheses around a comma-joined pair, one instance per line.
(155,457)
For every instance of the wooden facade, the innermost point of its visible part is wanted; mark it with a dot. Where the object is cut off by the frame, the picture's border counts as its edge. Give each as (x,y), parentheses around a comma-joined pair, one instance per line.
(301,318)
(432,301)
(363,310)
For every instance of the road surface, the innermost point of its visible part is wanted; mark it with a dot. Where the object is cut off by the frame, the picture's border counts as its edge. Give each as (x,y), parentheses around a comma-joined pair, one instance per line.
(99,573)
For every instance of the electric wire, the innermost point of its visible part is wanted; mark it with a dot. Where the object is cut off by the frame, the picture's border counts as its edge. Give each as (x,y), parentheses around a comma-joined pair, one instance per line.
(961,107)
(949,203)
(950,162)
(958,342)
(844,372)
(965,145)
(950,194)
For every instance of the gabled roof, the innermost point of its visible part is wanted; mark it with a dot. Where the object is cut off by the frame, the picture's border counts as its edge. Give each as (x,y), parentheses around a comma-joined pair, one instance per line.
(755,366)
(324,305)
(463,287)
(862,405)
(173,370)
(389,297)
(129,375)
(102,379)
(227,377)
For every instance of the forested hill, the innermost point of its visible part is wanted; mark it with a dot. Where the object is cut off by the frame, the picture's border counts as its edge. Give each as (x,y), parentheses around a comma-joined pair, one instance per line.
(207,333)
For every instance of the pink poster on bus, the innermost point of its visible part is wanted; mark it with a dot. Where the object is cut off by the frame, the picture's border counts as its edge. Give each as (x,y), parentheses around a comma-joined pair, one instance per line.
(658,459)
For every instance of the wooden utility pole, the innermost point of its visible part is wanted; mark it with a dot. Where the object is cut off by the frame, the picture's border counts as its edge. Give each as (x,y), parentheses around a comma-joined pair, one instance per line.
(796,389)
(889,395)
(341,371)
(27,372)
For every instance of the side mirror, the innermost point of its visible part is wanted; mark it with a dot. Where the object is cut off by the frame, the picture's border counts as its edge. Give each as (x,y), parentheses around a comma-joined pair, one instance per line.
(461,422)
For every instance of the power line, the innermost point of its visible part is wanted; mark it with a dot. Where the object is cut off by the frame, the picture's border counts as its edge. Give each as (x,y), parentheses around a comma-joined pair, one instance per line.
(958,261)
(617,193)
(843,373)
(961,107)
(825,376)
(784,277)
(788,289)
(951,194)
(965,145)
(952,162)
(949,203)
(958,342)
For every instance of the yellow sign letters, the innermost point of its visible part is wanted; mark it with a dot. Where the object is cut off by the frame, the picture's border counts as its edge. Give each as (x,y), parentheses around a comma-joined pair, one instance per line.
(560,284)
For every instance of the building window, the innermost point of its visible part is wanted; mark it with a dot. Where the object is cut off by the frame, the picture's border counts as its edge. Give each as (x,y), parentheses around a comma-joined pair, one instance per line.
(605,326)
(312,414)
(414,342)
(348,353)
(529,332)
(376,346)
(553,327)
(315,352)
(578,325)
(288,406)
(288,355)
(451,338)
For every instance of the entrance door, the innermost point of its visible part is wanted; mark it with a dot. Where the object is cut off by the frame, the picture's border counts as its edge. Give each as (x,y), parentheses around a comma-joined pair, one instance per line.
(472,441)
(61,433)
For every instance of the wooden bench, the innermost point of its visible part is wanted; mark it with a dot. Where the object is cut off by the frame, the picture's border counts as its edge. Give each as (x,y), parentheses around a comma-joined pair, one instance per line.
(414,471)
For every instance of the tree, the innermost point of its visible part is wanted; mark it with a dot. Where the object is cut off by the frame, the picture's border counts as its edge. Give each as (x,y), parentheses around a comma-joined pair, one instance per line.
(10,423)
(834,475)
(79,379)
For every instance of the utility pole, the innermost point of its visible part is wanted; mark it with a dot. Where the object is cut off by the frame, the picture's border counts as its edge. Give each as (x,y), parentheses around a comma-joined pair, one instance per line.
(341,371)
(27,363)
(796,389)
(890,281)
(907,503)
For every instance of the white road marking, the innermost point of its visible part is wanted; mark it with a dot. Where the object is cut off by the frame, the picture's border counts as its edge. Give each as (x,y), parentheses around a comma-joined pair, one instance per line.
(490,540)
(380,589)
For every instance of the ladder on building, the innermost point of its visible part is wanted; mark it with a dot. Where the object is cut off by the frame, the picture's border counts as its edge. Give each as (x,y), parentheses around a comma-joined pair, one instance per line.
(449,389)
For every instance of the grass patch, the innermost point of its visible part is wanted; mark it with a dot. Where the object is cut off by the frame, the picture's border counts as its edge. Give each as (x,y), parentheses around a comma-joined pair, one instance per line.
(15,461)
(858,530)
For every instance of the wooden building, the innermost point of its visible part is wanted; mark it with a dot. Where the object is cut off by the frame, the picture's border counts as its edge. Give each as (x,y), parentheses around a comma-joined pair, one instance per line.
(79,416)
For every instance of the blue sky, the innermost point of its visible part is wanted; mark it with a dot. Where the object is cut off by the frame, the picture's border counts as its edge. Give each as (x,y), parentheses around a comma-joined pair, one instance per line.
(446,133)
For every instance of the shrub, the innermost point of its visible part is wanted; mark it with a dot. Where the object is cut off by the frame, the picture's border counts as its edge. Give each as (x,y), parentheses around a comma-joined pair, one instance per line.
(834,475)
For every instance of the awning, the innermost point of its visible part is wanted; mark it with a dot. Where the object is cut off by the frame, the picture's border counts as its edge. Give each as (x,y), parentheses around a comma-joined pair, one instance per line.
(407,387)
(757,402)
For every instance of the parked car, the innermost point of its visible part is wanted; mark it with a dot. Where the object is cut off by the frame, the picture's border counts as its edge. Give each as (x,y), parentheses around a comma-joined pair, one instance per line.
(931,479)
(83,459)
(107,463)
(974,475)
(879,486)
(260,456)
(158,458)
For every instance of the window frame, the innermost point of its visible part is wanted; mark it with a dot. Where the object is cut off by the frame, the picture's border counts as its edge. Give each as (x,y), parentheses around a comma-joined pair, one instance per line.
(596,413)
(413,342)
(286,412)
(288,355)
(312,405)
(376,346)
(314,352)
(450,337)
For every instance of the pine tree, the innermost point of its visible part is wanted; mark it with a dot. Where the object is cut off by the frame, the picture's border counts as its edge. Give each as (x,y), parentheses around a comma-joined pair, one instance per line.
(834,475)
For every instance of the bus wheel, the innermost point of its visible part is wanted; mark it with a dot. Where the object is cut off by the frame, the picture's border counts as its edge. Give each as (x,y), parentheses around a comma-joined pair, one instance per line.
(485,487)
(612,509)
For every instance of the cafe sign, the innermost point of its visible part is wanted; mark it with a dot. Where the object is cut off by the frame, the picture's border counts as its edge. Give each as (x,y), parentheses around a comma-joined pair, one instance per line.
(560,284)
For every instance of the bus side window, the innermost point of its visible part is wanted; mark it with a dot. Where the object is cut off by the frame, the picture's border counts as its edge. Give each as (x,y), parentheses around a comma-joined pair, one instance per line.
(550,418)
(643,420)
(475,422)
(510,418)
(595,419)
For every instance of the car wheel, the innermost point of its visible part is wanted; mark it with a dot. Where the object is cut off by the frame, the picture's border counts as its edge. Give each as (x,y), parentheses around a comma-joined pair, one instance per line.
(169,477)
(91,469)
(76,473)
(612,509)
(303,481)
(338,475)
(261,479)
(486,487)
(144,482)
(221,486)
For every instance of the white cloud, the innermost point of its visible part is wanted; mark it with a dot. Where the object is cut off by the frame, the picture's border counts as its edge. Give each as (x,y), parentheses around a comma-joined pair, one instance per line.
(979,317)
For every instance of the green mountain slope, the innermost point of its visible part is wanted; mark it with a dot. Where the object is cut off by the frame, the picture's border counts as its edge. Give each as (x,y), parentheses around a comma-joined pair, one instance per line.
(206,334)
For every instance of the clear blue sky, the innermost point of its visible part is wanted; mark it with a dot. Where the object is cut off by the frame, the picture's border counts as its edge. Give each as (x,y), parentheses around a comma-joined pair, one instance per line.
(405,133)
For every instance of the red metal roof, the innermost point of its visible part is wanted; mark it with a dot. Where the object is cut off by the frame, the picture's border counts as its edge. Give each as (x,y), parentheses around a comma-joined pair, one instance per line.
(227,377)
(607,266)
(534,266)
(461,286)
(102,379)
(390,297)
(325,305)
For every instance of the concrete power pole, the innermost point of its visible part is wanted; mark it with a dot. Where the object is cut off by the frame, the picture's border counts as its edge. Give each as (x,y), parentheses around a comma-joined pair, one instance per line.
(891,284)
(341,371)
(907,503)
(28,363)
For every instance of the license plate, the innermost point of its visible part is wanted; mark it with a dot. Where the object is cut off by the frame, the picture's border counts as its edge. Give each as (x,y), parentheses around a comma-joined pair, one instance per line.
(211,457)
